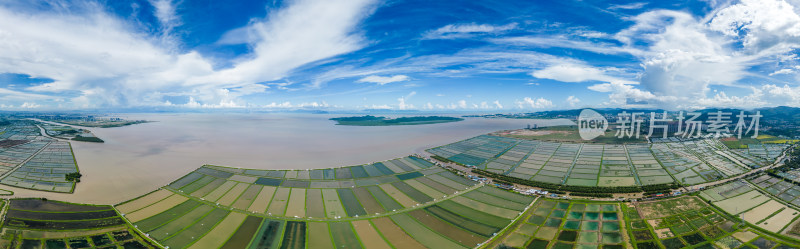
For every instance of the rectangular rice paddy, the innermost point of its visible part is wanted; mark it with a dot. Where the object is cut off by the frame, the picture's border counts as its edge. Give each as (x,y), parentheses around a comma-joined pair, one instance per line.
(229,197)
(487,208)
(244,233)
(269,234)
(466,223)
(279,201)
(219,235)
(423,234)
(395,235)
(487,198)
(155,221)
(197,230)
(358,172)
(343,173)
(397,195)
(481,217)
(294,237)
(343,235)
(391,166)
(186,180)
(156,208)
(319,235)
(174,226)
(372,170)
(297,203)
(425,189)
(247,197)
(368,235)
(384,199)
(314,205)
(454,233)
(261,203)
(143,201)
(328,174)
(351,205)
(208,188)
(243,178)
(436,185)
(383,169)
(370,204)
(416,195)
(333,206)
(447,182)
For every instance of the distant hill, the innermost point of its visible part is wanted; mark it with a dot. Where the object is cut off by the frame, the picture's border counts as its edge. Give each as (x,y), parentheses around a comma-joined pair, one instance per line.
(781,120)
(369,120)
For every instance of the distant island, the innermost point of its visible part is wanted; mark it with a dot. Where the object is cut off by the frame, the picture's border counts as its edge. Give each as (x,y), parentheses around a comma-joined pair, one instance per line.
(369,120)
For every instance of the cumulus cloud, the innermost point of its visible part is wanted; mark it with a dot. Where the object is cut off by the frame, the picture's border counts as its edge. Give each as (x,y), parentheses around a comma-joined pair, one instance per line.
(462,104)
(402,105)
(383,80)
(761,24)
(29,105)
(538,103)
(497,104)
(682,56)
(573,101)
(454,31)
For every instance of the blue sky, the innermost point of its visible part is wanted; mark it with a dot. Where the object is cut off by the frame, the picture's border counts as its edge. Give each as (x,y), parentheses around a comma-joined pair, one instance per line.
(422,55)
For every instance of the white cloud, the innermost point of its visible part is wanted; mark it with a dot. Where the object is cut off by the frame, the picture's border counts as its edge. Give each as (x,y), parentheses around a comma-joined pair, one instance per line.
(401,102)
(315,104)
(383,80)
(165,11)
(723,100)
(286,104)
(784,95)
(682,57)
(629,6)
(538,103)
(378,107)
(573,101)
(454,31)
(497,104)
(462,104)
(29,105)
(111,63)
(571,72)
(762,24)
(782,71)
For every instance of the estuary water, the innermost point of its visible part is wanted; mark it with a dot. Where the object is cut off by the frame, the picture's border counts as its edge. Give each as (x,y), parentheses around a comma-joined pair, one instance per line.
(137,159)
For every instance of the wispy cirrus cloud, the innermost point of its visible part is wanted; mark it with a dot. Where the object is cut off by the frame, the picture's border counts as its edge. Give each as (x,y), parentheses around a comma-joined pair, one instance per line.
(456,31)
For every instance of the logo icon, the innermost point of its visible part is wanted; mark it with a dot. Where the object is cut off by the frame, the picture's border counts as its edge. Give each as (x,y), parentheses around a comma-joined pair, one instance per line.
(591,124)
